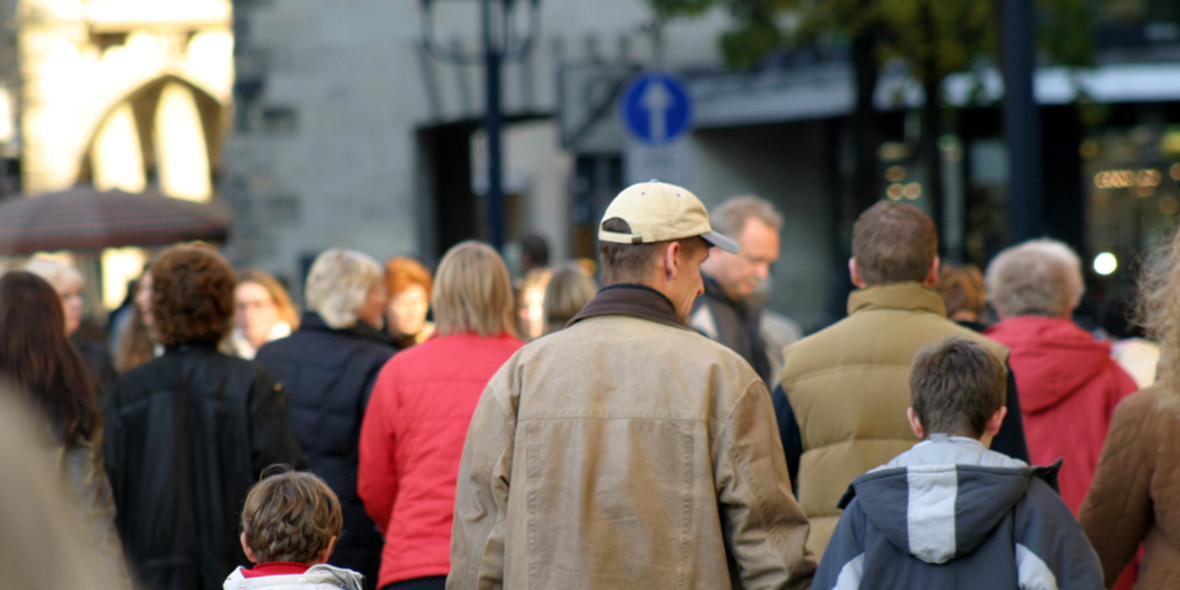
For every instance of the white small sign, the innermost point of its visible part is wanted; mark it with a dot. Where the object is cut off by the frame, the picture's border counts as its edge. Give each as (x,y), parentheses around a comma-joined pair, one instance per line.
(672,163)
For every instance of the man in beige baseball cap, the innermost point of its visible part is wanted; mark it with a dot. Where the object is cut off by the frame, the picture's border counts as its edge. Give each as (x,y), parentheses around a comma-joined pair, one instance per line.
(628,451)
(658,212)
(660,224)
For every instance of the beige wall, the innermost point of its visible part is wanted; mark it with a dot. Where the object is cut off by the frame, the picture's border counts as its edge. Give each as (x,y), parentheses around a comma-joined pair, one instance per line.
(351,80)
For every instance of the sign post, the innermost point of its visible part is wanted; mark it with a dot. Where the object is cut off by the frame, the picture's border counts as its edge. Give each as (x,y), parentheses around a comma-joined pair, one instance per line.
(657,113)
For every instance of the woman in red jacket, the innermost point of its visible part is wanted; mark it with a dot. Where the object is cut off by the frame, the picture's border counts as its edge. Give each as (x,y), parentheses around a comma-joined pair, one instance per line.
(414,428)
(1069,384)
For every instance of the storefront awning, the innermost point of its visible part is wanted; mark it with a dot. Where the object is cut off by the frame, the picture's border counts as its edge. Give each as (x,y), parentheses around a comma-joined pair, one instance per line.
(823,91)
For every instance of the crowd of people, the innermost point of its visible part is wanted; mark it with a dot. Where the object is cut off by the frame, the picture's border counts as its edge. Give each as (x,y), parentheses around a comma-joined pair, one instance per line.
(649,426)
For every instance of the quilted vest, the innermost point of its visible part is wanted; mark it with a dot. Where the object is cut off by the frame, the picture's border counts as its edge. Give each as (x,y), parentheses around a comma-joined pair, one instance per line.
(849,388)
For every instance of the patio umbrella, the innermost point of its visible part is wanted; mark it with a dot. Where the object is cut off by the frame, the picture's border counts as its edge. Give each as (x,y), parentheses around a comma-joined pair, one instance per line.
(84,218)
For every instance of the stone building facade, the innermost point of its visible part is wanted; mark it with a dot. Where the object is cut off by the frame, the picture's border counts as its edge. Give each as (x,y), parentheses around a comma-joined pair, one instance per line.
(348,133)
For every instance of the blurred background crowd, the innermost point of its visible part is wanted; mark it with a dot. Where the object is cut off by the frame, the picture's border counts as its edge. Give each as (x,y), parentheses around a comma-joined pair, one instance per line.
(223,367)
(326,171)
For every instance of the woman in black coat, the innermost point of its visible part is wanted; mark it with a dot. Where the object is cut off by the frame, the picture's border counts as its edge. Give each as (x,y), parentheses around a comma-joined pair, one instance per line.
(328,367)
(188,433)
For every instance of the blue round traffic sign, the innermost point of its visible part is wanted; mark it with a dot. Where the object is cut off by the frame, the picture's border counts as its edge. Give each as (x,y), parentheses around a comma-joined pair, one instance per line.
(656,108)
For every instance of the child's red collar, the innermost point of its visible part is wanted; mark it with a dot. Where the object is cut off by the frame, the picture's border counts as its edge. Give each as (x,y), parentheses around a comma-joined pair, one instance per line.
(275,568)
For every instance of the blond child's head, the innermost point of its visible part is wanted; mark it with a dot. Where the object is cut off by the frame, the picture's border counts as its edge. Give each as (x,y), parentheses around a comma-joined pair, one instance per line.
(290,516)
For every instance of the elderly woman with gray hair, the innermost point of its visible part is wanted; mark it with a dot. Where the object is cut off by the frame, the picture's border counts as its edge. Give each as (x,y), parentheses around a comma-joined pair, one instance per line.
(1069,384)
(328,367)
(68,282)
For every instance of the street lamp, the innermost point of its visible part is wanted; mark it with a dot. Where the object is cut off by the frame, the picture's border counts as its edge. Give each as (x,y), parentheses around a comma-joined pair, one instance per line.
(501,43)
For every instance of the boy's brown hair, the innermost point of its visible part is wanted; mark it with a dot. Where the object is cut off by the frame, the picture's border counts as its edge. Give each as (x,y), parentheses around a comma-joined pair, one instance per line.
(955,387)
(290,516)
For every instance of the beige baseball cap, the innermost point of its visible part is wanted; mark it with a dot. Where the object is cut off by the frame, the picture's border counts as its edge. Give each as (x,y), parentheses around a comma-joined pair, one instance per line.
(658,212)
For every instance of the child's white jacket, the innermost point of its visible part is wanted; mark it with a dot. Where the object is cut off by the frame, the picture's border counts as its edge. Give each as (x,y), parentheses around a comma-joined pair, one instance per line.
(317,577)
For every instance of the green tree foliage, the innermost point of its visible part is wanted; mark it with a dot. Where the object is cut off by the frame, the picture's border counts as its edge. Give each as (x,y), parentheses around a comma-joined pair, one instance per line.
(935,38)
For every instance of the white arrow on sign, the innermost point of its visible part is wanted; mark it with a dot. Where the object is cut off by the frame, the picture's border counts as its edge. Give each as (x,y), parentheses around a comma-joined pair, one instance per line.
(656,100)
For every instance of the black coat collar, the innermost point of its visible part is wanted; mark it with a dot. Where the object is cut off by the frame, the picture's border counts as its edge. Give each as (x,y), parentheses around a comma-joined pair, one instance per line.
(633,300)
(312,322)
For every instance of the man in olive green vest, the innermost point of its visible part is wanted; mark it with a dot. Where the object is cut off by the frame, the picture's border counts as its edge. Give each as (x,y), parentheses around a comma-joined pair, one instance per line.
(844,391)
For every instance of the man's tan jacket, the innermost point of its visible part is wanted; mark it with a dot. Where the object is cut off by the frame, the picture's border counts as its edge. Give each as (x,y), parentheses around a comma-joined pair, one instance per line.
(849,388)
(626,453)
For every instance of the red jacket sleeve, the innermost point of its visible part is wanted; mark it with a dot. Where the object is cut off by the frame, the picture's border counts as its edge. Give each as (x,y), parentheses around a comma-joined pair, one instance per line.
(376,481)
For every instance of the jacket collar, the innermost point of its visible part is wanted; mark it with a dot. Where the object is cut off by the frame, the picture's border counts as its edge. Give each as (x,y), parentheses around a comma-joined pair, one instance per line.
(907,296)
(632,300)
(193,347)
(312,322)
(713,289)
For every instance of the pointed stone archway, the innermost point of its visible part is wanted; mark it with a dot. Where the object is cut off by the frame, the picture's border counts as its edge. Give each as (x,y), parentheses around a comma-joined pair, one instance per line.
(166,135)
(85,65)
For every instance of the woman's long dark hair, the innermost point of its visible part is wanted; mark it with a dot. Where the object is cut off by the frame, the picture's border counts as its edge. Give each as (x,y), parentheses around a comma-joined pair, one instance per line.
(37,355)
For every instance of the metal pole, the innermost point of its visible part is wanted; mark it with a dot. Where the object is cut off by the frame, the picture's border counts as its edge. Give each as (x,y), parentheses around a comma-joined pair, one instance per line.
(493,124)
(1022,122)
(954,198)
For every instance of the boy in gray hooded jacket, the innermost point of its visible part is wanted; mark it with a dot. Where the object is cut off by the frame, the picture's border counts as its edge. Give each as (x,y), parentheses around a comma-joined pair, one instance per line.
(949,513)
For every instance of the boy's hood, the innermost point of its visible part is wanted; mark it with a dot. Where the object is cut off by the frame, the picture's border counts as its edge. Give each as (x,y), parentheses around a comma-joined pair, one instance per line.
(316,574)
(1054,355)
(939,512)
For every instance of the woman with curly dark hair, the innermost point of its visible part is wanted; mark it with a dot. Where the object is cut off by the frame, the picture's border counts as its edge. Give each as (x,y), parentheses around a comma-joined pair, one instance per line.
(37,356)
(188,433)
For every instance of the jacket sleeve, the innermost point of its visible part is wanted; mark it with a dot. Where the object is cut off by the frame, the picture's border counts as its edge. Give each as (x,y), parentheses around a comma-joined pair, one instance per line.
(481,496)
(104,374)
(1117,512)
(843,562)
(376,481)
(90,489)
(1010,439)
(765,529)
(371,382)
(112,452)
(1051,549)
(788,430)
(271,440)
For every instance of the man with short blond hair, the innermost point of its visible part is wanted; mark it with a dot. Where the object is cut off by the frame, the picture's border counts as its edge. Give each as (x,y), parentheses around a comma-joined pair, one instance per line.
(627,451)
(843,391)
